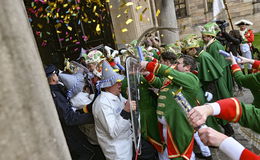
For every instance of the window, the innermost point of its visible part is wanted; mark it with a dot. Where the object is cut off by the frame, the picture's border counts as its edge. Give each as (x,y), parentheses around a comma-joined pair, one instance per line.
(209,5)
(180,8)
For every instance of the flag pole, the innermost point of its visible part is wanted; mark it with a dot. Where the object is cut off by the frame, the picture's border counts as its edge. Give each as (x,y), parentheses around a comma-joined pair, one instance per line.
(229,17)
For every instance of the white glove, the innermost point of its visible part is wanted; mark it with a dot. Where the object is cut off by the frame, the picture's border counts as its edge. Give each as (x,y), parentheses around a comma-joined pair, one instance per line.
(208,96)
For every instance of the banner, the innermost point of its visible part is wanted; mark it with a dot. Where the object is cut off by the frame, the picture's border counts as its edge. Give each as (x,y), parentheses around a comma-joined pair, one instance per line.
(218,6)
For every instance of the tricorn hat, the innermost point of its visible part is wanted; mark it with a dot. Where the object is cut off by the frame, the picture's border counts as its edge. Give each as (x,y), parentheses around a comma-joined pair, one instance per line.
(243,22)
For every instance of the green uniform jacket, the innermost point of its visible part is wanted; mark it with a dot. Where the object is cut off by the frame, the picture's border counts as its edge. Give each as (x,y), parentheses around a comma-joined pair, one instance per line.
(211,72)
(148,105)
(180,129)
(250,81)
(213,50)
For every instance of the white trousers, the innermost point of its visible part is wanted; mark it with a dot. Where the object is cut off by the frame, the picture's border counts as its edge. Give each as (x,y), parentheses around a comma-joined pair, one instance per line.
(246,52)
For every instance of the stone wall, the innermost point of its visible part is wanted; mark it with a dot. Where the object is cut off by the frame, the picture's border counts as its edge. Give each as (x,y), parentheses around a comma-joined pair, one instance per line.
(243,9)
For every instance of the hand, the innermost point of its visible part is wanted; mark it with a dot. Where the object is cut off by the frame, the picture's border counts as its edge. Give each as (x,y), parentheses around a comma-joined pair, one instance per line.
(127,106)
(144,64)
(232,59)
(245,60)
(198,115)
(211,137)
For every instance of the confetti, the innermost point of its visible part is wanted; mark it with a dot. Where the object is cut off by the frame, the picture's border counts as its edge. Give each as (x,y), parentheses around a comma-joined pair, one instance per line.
(129,3)
(124,30)
(129,21)
(69,28)
(98,28)
(158,13)
(118,16)
(139,7)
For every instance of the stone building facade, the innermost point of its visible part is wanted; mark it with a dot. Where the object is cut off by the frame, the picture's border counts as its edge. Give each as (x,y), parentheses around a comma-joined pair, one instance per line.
(189,14)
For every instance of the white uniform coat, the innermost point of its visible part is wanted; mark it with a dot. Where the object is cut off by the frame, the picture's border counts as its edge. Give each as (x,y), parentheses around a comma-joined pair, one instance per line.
(113,132)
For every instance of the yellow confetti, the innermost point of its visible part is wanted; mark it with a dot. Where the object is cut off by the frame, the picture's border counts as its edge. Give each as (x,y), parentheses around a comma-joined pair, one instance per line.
(40,26)
(124,30)
(148,19)
(139,7)
(65,5)
(58,25)
(111,6)
(126,11)
(58,31)
(129,3)
(94,9)
(118,16)
(69,28)
(141,17)
(98,28)
(129,21)
(107,1)
(158,12)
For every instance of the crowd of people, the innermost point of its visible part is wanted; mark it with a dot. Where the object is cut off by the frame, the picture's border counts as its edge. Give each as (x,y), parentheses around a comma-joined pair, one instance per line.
(91,97)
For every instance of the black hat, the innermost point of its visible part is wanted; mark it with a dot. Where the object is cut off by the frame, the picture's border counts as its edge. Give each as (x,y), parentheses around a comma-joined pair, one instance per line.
(50,69)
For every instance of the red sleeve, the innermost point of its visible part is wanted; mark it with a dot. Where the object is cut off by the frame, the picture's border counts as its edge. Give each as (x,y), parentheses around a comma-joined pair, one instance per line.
(235,68)
(250,36)
(256,65)
(152,67)
(150,77)
(246,155)
(230,109)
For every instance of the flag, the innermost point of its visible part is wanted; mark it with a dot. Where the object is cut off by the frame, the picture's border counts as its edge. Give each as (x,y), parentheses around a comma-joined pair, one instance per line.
(218,6)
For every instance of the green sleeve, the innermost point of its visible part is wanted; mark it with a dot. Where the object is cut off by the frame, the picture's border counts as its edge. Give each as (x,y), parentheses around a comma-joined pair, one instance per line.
(250,81)
(250,117)
(185,79)
(209,68)
(157,82)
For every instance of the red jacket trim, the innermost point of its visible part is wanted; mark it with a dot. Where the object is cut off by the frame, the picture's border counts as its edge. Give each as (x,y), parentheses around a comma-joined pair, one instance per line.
(150,78)
(246,154)
(230,109)
(235,68)
(173,151)
(158,146)
(152,67)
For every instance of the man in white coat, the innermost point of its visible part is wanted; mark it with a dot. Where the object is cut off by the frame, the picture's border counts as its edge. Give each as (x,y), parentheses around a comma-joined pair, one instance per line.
(112,117)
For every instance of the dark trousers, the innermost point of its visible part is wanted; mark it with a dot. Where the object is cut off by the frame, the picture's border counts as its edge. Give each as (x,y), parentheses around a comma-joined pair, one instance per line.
(148,152)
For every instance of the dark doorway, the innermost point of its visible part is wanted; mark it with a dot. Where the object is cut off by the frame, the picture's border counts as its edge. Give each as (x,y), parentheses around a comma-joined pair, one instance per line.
(62,27)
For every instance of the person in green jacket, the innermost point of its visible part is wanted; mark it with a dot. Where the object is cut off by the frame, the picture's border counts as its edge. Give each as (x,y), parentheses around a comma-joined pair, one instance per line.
(212,46)
(210,72)
(250,81)
(178,134)
(148,116)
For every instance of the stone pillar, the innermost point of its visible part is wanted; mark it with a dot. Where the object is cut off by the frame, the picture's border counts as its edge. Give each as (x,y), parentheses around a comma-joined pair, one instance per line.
(30,128)
(142,20)
(167,18)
